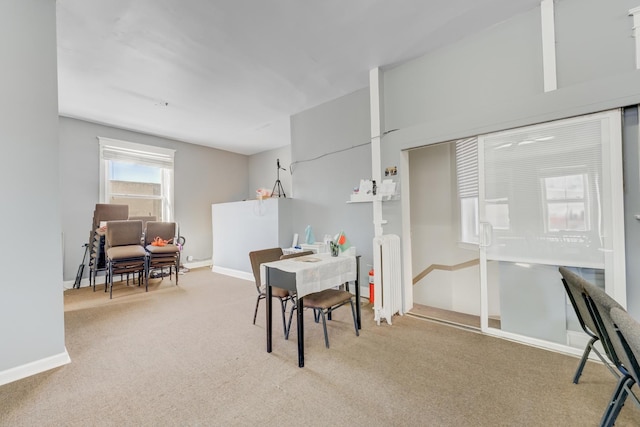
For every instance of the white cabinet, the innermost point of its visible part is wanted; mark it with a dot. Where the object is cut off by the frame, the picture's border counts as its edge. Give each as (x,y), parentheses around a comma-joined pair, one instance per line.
(242,227)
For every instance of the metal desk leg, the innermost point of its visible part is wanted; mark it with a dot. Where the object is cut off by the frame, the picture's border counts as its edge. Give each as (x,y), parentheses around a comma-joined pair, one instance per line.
(300,319)
(268,310)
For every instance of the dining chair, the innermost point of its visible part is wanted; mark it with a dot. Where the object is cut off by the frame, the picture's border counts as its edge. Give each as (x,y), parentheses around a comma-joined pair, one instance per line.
(124,251)
(322,303)
(103,212)
(160,244)
(575,292)
(284,296)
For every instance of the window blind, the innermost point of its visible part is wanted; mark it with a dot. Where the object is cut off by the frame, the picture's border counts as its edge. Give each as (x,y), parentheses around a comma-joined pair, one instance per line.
(467,167)
(124,151)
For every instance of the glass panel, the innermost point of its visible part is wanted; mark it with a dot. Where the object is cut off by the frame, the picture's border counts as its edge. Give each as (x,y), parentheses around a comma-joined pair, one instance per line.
(547,200)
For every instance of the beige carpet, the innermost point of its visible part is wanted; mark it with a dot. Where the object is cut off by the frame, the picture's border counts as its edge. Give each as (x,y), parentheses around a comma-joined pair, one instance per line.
(189,356)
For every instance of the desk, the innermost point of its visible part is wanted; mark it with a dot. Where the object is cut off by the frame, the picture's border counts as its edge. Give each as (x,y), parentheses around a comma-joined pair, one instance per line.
(305,278)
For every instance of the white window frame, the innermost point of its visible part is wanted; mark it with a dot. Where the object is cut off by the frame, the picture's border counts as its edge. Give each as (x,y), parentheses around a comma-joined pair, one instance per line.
(142,154)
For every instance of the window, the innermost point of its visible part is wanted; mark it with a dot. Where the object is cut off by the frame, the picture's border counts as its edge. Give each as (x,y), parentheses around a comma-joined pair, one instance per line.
(467,179)
(137,175)
(565,198)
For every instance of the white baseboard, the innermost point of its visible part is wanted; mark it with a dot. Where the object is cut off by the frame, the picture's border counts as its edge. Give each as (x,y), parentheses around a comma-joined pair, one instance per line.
(33,368)
(233,273)
(198,264)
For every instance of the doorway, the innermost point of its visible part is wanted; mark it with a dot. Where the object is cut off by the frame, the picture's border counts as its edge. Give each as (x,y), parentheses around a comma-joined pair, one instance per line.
(446,276)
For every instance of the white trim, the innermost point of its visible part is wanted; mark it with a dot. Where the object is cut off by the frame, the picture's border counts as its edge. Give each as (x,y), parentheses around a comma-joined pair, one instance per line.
(33,368)
(375,91)
(233,273)
(615,250)
(407,256)
(635,12)
(198,264)
(137,147)
(548,45)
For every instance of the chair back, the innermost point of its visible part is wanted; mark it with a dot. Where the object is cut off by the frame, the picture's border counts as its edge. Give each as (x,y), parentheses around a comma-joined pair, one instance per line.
(164,230)
(600,305)
(109,212)
(629,332)
(575,291)
(144,219)
(262,256)
(123,233)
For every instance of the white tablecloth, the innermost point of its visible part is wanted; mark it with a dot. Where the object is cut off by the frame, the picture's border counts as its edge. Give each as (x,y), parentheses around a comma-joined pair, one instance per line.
(315,272)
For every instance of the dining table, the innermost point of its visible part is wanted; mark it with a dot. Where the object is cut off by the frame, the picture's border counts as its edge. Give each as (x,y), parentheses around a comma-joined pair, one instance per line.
(305,275)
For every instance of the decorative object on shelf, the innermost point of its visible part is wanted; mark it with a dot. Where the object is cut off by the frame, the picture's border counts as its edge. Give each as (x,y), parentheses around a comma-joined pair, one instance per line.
(369,191)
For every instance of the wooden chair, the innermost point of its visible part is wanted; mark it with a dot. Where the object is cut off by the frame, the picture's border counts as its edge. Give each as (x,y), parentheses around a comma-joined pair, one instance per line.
(283,295)
(323,303)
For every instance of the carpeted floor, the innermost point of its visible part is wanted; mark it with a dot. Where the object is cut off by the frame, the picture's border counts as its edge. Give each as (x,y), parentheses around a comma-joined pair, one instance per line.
(189,356)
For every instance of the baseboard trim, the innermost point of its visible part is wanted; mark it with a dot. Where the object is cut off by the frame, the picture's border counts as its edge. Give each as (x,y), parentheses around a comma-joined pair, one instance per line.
(33,368)
(198,264)
(233,273)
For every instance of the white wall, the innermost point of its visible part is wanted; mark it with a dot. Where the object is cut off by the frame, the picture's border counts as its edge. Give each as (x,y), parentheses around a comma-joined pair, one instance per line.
(330,152)
(262,170)
(493,81)
(202,175)
(31,305)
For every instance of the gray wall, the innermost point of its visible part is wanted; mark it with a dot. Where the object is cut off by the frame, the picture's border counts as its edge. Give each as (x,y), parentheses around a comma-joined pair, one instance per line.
(203,176)
(493,81)
(324,176)
(31,306)
(262,170)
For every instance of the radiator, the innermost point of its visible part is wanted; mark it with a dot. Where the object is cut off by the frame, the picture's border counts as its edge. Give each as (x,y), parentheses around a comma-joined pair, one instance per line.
(387,267)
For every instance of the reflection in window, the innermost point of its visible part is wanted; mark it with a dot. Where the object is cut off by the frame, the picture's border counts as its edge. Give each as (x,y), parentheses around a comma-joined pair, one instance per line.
(497,212)
(566,202)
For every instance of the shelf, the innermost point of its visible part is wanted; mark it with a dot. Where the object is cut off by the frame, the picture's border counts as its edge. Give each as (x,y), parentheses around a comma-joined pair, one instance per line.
(369,198)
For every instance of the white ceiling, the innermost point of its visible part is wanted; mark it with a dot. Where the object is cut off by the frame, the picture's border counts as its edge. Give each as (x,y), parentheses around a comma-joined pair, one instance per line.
(229,73)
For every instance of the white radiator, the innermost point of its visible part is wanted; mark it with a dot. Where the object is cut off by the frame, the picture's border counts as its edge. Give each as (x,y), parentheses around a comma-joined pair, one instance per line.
(387,267)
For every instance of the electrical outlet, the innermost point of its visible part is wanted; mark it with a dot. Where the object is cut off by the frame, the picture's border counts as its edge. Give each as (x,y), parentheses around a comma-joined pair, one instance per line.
(190,258)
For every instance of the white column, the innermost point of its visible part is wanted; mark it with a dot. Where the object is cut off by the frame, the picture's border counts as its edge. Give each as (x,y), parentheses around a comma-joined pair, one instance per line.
(376,135)
(548,45)
(635,12)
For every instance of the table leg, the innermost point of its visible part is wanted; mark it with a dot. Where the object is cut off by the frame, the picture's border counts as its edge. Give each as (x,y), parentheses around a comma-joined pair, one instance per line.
(268,310)
(300,319)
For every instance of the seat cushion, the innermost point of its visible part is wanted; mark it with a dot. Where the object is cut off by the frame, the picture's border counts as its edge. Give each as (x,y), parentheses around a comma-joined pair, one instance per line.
(276,292)
(327,298)
(125,252)
(167,249)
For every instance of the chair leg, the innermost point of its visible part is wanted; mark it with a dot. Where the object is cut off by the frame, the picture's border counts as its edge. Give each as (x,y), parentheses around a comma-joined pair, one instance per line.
(583,361)
(617,401)
(355,322)
(255,313)
(294,307)
(284,321)
(324,326)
